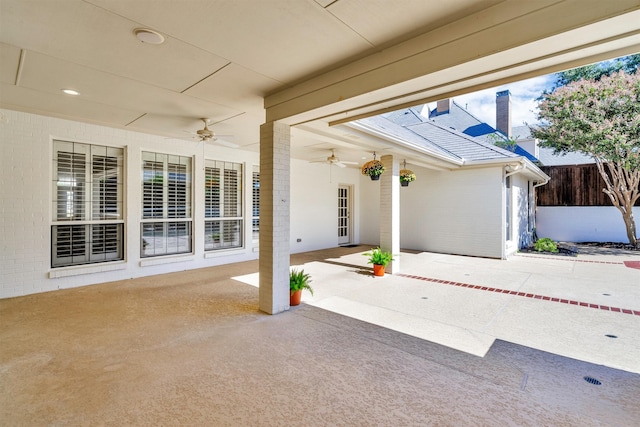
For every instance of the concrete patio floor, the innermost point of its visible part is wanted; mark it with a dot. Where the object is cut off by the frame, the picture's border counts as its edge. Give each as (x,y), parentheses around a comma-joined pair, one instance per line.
(461,341)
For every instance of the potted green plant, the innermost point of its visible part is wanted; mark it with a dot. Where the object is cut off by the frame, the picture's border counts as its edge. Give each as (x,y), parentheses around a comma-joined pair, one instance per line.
(298,281)
(380,259)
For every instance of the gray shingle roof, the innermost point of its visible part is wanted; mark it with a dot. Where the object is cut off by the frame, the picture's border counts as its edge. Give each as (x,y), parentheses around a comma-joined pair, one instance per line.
(461,145)
(446,141)
(521,132)
(406,116)
(547,158)
(462,120)
(404,133)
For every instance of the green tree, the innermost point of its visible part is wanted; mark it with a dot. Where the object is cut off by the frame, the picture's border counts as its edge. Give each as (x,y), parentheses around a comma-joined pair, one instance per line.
(600,118)
(628,64)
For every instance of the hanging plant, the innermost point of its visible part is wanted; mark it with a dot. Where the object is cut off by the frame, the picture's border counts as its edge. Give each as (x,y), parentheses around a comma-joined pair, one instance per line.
(406,176)
(374,168)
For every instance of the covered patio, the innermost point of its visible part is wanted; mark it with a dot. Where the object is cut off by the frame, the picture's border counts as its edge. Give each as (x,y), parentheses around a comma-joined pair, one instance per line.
(191,347)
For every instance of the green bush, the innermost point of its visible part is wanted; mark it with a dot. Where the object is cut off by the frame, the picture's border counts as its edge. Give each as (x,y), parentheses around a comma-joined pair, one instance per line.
(546,245)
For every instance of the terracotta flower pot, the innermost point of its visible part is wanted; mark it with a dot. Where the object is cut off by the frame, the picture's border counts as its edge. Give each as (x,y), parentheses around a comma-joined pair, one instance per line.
(294,297)
(378,270)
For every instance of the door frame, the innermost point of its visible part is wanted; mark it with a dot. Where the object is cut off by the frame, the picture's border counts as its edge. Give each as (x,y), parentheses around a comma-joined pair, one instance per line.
(349,226)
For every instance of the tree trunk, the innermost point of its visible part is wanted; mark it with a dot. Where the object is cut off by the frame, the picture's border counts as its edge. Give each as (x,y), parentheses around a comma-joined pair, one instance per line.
(623,190)
(631,227)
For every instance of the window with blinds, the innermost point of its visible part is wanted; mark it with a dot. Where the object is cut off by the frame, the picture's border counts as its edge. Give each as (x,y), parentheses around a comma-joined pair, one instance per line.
(87,226)
(166,197)
(223,226)
(256,203)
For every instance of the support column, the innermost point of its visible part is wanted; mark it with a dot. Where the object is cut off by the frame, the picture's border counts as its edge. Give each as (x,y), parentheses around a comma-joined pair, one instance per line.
(390,211)
(274,217)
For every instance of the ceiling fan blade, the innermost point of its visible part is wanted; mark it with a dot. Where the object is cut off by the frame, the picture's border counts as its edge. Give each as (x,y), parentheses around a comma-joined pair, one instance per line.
(340,164)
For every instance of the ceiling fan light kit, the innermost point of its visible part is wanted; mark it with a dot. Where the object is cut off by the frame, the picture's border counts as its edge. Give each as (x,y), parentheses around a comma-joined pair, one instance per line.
(334,160)
(206,134)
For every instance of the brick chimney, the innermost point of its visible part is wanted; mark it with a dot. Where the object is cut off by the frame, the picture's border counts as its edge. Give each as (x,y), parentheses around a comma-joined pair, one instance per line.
(503,112)
(444,105)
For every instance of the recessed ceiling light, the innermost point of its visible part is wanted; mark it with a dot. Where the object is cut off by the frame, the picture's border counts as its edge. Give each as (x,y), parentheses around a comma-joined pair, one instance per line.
(146,35)
(71,92)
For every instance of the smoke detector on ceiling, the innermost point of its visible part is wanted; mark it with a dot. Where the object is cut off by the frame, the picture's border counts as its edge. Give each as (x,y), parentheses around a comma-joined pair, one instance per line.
(146,35)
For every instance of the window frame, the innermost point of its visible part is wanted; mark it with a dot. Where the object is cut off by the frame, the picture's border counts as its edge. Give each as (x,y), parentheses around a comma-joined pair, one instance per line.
(224,212)
(166,205)
(255,203)
(87,226)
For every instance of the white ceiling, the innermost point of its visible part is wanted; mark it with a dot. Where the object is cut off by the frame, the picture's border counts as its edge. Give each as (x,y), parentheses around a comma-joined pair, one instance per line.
(222,58)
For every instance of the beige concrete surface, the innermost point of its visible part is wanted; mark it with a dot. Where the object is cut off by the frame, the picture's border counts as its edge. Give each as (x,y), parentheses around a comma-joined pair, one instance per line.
(470,319)
(190,348)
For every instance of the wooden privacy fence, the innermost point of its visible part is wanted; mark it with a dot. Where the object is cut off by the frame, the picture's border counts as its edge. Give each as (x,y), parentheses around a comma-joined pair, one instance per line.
(573,185)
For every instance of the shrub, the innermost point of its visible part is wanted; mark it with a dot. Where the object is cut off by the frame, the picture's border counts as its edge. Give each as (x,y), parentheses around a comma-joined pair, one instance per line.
(546,245)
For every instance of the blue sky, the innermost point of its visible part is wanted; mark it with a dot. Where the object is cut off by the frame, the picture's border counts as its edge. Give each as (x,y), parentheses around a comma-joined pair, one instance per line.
(482,104)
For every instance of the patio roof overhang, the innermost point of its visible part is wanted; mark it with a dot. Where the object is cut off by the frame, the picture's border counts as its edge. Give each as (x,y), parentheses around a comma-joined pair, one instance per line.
(526,41)
(432,159)
(513,165)
(401,147)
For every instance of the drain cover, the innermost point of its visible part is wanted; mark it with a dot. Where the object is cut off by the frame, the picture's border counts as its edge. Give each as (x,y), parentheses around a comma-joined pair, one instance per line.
(592,380)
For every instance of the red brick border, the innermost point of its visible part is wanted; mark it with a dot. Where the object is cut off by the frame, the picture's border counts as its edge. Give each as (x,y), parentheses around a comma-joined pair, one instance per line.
(524,294)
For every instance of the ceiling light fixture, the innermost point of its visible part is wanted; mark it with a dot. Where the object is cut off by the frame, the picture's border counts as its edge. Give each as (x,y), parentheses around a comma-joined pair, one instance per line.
(146,35)
(71,92)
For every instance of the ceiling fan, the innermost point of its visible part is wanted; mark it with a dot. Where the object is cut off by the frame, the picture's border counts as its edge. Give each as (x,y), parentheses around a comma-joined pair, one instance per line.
(207,134)
(334,160)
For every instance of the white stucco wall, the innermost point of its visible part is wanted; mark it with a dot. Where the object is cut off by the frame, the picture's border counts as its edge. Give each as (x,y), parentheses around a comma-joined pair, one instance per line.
(314,204)
(453,212)
(522,219)
(26,204)
(369,212)
(583,223)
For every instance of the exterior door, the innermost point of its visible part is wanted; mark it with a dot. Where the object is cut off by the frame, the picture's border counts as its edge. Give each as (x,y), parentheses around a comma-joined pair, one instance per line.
(344,215)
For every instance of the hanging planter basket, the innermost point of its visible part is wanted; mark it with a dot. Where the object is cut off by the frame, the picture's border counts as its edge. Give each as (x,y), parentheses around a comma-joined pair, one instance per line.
(406,176)
(374,168)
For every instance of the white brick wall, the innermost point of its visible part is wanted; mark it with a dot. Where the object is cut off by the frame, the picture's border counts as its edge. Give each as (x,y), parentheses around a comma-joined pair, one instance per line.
(26,204)
(441,211)
(453,212)
(274,217)
(314,201)
(390,210)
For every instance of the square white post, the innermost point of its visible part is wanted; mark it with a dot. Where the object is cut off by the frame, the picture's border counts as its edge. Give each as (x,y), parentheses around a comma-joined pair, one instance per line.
(390,211)
(275,170)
